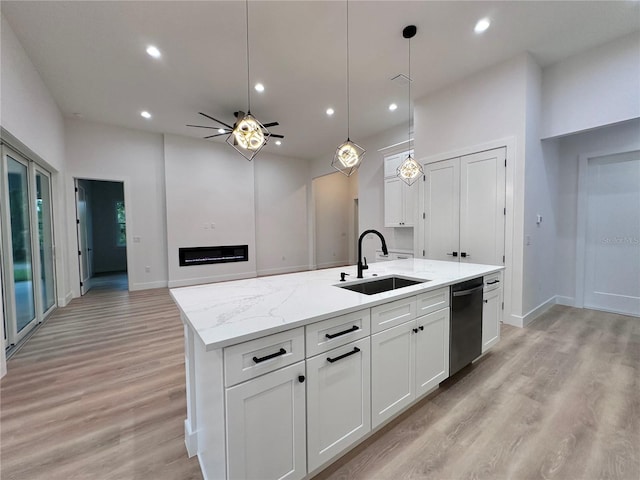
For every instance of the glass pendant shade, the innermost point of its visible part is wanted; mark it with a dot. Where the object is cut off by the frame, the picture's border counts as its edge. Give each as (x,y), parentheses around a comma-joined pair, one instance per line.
(409,170)
(348,157)
(248,136)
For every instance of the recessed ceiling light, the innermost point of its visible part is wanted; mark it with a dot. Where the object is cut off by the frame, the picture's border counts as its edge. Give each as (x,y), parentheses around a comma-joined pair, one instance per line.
(482,25)
(221,130)
(393,107)
(153,51)
(330,111)
(278,142)
(145,114)
(259,87)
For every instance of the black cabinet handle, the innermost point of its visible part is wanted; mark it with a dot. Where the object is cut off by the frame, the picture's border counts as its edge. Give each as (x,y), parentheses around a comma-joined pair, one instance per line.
(269,357)
(334,335)
(453,254)
(493,282)
(415,330)
(301,378)
(486,301)
(464,254)
(331,360)
(421,327)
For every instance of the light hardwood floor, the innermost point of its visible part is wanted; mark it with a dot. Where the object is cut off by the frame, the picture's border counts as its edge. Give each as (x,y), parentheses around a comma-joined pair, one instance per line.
(98,393)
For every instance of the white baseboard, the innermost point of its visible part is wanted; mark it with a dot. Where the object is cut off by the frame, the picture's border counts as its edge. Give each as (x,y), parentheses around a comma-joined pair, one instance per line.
(190,440)
(566,301)
(524,320)
(282,270)
(148,285)
(212,279)
(64,301)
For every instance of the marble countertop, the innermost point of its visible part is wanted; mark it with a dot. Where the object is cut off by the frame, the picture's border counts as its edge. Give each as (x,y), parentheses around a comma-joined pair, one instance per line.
(226,313)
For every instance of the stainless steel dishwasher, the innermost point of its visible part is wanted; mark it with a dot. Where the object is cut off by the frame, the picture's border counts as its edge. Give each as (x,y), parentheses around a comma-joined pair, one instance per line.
(465,334)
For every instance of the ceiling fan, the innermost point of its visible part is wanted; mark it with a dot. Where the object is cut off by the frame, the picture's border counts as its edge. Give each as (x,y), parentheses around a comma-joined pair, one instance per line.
(226,129)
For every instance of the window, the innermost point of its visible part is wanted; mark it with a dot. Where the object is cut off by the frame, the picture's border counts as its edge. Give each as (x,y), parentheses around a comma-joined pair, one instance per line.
(121,240)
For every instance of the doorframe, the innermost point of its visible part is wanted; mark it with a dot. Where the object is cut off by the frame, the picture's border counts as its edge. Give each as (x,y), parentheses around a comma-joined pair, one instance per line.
(581,214)
(71,232)
(513,172)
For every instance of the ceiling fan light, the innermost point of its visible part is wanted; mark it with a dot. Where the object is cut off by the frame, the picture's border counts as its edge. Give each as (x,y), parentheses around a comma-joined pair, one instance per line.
(348,157)
(409,170)
(248,136)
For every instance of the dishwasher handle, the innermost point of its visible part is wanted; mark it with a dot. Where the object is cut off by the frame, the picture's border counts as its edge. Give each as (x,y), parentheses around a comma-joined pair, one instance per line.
(464,293)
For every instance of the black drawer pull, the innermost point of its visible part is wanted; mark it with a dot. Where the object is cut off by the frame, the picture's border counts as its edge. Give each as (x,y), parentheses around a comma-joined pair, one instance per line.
(493,282)
(331,360)
(269,357)
(415,330)
(421,327)
(334,335)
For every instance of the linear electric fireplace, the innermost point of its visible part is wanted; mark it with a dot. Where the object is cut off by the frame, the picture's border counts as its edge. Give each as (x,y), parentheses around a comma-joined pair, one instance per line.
(209,255)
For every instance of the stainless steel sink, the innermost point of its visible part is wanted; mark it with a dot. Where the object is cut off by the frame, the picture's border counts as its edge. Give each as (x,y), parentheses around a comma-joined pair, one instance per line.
(371,287)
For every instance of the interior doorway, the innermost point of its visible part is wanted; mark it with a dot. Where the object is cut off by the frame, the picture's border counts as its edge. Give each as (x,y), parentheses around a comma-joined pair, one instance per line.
(609,233)
(102,235)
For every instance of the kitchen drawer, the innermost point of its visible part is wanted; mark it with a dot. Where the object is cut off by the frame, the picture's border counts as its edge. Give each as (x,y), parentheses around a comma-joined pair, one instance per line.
(337,331)
(393,313)
(492,281)
(262,355)
(433,300)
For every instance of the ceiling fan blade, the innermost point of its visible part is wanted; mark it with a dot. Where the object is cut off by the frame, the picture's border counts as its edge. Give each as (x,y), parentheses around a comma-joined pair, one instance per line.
(215,120)
(202,126)
(272,124)
(217,135)
(275,135)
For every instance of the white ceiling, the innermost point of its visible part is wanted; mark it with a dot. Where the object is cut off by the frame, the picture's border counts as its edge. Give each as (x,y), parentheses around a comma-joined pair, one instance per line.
(92,57)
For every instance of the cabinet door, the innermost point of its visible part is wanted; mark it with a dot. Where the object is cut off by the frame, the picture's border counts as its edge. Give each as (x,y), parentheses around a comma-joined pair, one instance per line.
(338,400)
(491,315)
(442,210)
(482,203)
(409,203)
(393,189)
(432,350)
(267,440)
(392,375)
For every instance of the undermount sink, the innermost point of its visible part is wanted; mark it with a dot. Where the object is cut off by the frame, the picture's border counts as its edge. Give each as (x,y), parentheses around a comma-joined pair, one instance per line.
(371,287)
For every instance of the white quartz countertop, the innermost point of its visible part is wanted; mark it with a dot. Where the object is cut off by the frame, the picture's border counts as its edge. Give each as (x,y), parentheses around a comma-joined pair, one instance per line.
(227,313)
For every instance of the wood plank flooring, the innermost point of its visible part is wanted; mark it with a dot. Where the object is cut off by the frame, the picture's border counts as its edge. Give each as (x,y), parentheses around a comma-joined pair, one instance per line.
(98,393)
(557,400)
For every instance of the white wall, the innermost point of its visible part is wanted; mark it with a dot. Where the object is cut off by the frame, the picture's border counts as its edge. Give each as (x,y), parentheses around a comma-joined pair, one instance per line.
(208,184)
(595,88)
(281,187)
(485,109)
(371,191)
(615,138)
(541,172)
(98,151)
(332,206)
(30,115)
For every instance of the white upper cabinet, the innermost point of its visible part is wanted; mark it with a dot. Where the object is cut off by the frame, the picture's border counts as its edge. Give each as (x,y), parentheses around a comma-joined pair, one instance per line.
(400,199)
(465,208)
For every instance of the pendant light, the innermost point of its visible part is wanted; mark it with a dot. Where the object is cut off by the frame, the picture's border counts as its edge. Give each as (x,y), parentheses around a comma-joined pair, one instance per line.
(409,170)
(248,135)
(348,156)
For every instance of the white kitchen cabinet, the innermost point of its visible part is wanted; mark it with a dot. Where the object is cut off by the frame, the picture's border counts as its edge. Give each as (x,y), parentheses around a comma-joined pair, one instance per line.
(392,375)
(432,350)
(465,208)
(407,361)
(265,426)
(491,318)
(399,203)
(338,400)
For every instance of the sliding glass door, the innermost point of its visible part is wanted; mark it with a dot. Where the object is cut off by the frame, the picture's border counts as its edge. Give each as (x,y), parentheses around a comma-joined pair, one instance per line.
(27,245)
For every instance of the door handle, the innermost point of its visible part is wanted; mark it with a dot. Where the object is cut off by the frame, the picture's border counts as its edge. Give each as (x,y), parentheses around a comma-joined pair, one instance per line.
(453,254)
(464,293)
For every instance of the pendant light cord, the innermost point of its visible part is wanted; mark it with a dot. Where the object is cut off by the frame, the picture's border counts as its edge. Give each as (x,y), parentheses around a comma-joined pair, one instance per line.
(248,62)
(348,99)
(409,104)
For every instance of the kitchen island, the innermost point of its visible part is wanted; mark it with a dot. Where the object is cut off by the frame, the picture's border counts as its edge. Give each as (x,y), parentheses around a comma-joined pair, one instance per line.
(287,373)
